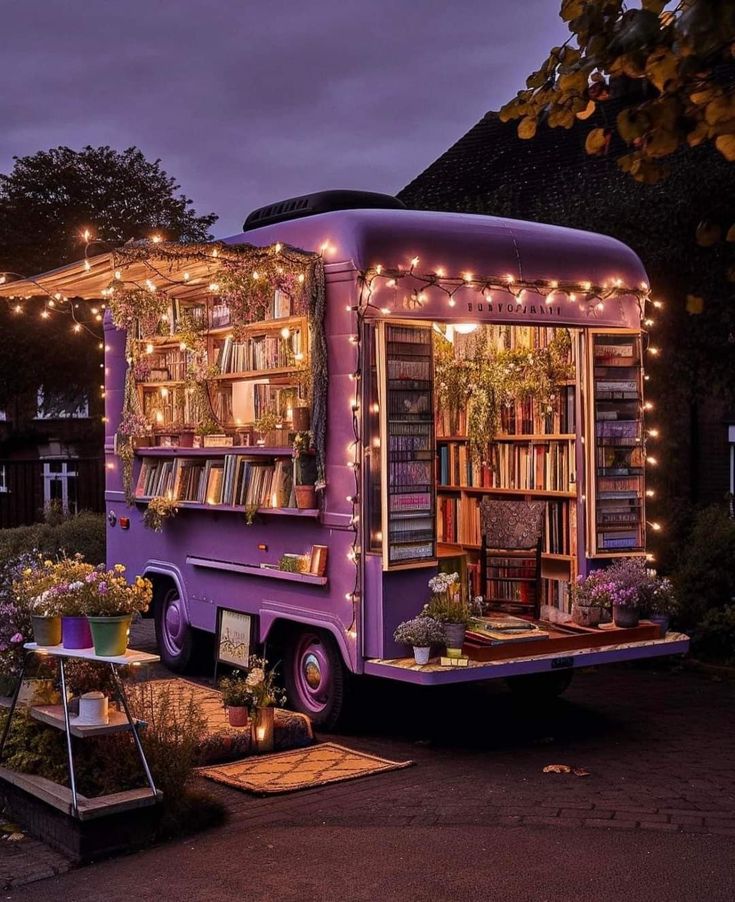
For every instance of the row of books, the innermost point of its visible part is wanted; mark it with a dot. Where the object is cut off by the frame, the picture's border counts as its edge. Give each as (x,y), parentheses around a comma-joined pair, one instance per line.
(410,464)
(618,444)
(522,417)
(168,365)
(458,523)
(536,466)
(260,352)
(233,480)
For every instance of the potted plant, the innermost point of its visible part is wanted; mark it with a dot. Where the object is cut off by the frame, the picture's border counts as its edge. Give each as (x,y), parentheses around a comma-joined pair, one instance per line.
(590,596)
(420,633)
(662,604)
(266,696)
(264,425)
(304,471)
(73,577)
(35,589)
(237,698)
(111,602)
(136,429)
(450,609)
(159,510)
(632,585)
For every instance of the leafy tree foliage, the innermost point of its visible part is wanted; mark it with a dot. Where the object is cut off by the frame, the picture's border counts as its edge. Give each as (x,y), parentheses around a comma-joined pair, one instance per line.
(679,53)
(52,196)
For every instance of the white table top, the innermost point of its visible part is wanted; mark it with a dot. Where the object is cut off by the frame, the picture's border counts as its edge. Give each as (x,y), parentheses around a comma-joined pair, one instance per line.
(87,654)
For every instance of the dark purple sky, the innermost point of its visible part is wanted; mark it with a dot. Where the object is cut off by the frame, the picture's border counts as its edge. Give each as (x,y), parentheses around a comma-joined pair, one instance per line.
(249,101)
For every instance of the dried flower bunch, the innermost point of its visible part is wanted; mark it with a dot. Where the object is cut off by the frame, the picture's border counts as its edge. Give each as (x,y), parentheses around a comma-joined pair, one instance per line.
(446,604)
(159,510)
(255,689)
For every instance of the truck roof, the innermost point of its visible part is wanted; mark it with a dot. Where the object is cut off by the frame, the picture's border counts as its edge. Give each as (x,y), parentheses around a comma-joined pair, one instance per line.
(455,242)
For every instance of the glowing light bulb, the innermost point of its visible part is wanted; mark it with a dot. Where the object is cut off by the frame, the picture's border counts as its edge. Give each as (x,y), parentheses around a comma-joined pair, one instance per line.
(278,247)
(653,351)
(465,328)
(156,239)
(379,268)
(652,461)
(414,262)
(467,276)
(213,287)
(650,493)
(586,285)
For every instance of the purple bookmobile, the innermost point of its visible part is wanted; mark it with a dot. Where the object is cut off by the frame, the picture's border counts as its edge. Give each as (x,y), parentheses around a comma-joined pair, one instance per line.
(325,630)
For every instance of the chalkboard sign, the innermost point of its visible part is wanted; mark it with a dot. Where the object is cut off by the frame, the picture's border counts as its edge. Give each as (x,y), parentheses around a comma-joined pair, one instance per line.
(234,638)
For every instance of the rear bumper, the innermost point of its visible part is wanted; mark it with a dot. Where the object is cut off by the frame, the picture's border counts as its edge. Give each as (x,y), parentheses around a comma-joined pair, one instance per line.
(434,674)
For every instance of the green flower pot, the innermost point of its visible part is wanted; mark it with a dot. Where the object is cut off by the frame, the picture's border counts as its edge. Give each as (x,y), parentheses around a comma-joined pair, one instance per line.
(47,630)
(110,635)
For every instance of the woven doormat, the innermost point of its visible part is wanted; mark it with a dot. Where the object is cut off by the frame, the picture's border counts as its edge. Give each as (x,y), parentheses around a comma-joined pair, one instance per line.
(300,769)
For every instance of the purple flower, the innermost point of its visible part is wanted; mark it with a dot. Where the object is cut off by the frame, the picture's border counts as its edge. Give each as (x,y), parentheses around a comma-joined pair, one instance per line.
(102,588)
(18,637)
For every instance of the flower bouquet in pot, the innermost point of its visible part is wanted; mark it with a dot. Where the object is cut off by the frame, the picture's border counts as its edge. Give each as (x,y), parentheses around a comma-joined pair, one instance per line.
(266,696)
(237,698)
(110,602)
(591,596)
(662,603)
(449,608)
(34,589)
(420,633)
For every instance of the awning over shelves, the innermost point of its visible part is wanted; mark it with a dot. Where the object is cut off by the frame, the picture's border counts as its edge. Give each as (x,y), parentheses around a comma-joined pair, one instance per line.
(453,243)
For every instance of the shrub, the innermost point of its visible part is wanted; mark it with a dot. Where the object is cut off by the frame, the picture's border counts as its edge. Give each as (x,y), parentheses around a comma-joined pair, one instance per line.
(704,578)
(714,638)
(83,533)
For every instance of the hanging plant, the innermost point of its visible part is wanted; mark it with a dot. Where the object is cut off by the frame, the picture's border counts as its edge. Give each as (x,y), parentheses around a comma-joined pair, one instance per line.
(158,512)
(134,306)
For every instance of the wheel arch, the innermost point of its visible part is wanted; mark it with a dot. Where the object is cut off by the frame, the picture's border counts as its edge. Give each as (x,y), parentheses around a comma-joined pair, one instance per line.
(160,573)
(275,626)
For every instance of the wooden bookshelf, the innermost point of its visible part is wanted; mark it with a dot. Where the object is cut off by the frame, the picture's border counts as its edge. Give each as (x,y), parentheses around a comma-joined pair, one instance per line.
(545,469)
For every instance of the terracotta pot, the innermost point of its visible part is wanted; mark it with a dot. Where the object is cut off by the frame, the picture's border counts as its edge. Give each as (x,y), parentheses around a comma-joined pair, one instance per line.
(305,497)
(301,419)
(47,630)
(238,715)
(186,440)
(625,618)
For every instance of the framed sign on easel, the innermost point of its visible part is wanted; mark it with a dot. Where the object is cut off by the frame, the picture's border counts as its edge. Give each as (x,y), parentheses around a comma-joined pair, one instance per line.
(234,639)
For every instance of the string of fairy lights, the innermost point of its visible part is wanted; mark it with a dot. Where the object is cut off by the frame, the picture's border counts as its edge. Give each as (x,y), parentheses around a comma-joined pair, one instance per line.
(588,296)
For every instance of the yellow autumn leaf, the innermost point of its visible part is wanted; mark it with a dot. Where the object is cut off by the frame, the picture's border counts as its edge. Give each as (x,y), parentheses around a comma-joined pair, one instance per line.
(726,145)
(695,304)
(596,141)
(708,233)
(527,128)
(587,111)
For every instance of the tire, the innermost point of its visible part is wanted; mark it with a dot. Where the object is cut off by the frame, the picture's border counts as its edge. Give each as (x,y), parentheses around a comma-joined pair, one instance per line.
(315,676)
(536,688)
(174,633)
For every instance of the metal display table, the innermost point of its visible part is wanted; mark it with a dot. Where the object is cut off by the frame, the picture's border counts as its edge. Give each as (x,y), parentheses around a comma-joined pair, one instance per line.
(58,715)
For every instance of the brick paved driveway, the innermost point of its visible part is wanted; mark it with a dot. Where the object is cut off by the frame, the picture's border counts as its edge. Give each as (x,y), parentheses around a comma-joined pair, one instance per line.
(659,745)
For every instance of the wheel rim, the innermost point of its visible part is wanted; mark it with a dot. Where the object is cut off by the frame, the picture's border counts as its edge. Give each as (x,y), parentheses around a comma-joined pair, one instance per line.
(313,673)
(174,624)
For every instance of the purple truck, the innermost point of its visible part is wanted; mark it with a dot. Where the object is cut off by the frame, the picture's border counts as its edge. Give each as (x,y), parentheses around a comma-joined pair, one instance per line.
(400,494)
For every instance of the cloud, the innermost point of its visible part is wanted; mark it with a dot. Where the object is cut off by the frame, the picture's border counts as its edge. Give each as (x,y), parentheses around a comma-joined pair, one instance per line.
(247,102)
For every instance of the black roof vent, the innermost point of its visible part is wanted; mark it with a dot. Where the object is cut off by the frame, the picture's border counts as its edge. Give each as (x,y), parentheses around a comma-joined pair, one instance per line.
(320,202)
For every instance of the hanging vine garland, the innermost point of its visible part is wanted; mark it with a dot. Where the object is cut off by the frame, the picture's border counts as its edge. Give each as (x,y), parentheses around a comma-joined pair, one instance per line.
(245,278)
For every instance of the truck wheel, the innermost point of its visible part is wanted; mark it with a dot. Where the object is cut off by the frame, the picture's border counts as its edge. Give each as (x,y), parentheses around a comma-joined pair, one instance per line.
(540,687)
(173,631)
(315,676)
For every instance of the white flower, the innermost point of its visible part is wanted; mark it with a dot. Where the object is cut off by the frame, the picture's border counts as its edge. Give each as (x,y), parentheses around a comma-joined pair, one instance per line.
(254,678)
